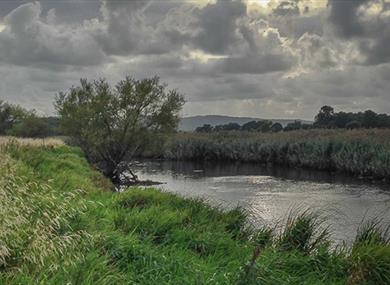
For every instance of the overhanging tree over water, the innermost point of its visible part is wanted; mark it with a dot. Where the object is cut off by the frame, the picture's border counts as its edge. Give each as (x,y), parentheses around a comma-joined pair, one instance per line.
(113,124)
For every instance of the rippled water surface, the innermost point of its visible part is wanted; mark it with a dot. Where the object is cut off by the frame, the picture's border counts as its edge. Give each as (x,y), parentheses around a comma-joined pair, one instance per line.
(270,193)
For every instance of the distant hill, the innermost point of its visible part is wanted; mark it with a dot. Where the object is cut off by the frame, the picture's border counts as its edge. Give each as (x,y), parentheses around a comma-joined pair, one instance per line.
(191,123)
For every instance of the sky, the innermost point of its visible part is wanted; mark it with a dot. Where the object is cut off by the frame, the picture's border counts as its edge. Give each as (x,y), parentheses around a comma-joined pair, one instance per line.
(259,58)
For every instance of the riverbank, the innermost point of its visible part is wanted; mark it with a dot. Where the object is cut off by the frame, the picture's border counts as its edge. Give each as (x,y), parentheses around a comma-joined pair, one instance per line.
(363,153)
(64,225)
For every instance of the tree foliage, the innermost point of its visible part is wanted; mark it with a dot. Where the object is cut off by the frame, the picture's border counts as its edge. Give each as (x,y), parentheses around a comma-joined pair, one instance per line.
(228,127)
(9,116)
(19,122)
(327,118)
(257,126)
(252,126)
(30,126)
(324,117)
(206,128)
(113,124)
(277,127)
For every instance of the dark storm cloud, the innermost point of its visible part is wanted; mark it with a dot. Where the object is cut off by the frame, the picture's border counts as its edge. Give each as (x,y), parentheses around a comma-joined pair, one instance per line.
(377,50)
(352,20)
(70,11)
(140,27)
(129,6)
(256,64)
(124,27)
(217,24)
(343,14)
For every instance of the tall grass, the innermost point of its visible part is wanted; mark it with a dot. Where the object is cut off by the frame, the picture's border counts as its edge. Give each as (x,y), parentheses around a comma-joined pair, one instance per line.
(35,224)
(360,152)
(59,226)
(370,255)
(49,142)
(303,232)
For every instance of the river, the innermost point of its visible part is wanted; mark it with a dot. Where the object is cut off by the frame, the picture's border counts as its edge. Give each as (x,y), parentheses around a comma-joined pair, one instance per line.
(269,194)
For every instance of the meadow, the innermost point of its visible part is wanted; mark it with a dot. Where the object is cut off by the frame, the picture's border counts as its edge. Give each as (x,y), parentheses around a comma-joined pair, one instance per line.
(364,152)
(62,224)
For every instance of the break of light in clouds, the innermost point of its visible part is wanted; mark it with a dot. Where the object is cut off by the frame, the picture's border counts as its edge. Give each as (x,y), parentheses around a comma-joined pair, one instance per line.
(270,59)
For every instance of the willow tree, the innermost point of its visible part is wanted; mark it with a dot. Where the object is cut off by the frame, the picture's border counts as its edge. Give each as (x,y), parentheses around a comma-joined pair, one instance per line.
(113,124)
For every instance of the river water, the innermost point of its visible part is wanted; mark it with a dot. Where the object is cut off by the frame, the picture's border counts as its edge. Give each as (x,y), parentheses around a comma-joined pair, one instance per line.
(269,194)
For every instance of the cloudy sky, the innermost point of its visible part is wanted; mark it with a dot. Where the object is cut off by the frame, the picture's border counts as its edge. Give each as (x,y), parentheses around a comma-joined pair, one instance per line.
(270,59)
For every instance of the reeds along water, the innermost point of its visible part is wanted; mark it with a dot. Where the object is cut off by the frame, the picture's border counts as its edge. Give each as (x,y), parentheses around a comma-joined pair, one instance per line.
(360,152)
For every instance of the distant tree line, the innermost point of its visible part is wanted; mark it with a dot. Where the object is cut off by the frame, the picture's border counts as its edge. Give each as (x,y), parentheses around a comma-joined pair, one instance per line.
(252,126)
(263,126)
(326,118)
(19,122)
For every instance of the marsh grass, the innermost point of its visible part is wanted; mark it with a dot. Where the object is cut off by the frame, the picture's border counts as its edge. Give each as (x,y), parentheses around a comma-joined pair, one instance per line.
(62,227)
(360,152)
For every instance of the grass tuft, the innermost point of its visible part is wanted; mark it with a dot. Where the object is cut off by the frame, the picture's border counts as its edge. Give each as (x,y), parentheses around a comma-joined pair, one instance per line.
(303,232)
(370,256)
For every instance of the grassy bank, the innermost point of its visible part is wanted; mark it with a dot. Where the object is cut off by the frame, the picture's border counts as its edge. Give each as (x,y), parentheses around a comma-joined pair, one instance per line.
(61,224)
(359,152)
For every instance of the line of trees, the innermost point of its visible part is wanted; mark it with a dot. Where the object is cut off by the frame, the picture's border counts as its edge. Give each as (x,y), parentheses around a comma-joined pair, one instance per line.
(263,126)
(19,122)
(326,118)
(252,126)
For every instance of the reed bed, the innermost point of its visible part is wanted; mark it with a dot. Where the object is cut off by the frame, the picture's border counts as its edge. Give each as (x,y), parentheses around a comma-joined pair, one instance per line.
(360,152)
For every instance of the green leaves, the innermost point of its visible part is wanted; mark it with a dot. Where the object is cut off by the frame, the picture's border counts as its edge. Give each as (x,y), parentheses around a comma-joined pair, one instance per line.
(113,124)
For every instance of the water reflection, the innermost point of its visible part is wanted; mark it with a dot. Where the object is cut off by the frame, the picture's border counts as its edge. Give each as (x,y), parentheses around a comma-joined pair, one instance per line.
(211,169)
(269,193)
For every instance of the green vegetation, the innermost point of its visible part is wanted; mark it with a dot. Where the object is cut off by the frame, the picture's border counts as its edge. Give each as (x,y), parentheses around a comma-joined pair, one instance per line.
(111,125)
(263,126)
(326,118)
(19,122)
(63,225)
(359,152)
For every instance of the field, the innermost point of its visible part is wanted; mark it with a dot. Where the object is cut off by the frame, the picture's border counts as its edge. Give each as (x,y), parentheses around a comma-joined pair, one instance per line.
(62,224)
(359,152)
